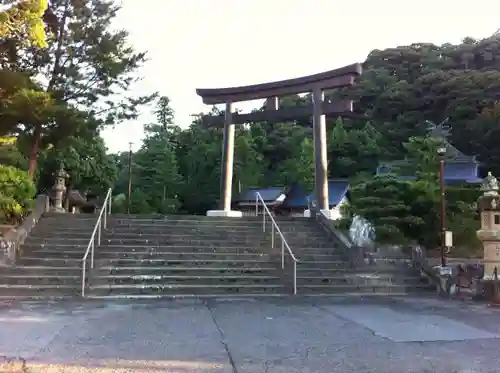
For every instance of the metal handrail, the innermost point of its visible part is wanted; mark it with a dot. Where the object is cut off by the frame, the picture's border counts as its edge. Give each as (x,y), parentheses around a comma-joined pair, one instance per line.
(284,244)
(100,224)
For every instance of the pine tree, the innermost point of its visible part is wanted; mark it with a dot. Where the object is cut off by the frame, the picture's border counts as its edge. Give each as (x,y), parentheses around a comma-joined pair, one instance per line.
(87,68)
(156,168)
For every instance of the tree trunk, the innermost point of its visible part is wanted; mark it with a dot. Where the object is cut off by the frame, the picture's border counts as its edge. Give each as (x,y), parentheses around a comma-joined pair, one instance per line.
(35,148)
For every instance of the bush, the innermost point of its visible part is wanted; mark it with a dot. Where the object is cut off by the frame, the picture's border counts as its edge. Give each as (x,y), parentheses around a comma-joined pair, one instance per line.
(17,193)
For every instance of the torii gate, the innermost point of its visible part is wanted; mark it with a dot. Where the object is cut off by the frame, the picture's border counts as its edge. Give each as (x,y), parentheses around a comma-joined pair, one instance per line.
(316,84)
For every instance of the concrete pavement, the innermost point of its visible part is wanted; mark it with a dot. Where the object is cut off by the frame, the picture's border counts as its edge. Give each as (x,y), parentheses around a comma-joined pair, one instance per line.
(303,335)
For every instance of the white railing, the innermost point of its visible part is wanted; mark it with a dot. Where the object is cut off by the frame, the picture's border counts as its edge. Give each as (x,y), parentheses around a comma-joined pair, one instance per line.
(285,249)
(100,225)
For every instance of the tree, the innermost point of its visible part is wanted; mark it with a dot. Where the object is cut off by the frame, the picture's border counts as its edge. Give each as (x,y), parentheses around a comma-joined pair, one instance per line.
(156,171)
(10,154)
(86,162)
(16,193)
(352,151)
(23,20)
(386,203)
(299,168)
(199,155)
(155,165)
(88,69)
(249,164)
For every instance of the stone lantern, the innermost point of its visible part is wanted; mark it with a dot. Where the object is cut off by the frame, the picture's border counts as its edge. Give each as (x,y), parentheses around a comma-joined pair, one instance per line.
(59,189)
(489,235)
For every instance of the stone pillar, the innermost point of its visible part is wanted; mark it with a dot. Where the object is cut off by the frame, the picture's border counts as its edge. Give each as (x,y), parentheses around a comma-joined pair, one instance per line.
(320,152)
(227,168)
(489,234)
(59,189)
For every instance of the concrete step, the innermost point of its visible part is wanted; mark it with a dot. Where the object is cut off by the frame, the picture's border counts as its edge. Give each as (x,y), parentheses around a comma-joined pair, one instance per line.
(69,218)
(333,264)
(64,225)
(147,229)
(144,240)
(226,296)
(182,226)
(35,247)
(46,279)
(152,254)
(184,221)
(332,271)
(201,236)
(41,271)
(355,279)
(192,218)
(39,291)
(182,289)
(166,280)
(201,248)
(326,253)
(53,214)
(337,264)
(32,241)
(184,270)
(172,228)
(180,262)
(359,289)
(318,255)
(312,244)
(46,262)
(58,254)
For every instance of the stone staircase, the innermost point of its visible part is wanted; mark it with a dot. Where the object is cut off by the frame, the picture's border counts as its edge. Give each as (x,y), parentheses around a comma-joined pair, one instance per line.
(50,261)
(323,269)
(186,256)
(144,256)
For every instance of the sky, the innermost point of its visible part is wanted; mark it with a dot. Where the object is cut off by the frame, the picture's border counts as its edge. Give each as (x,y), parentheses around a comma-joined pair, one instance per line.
(222,43)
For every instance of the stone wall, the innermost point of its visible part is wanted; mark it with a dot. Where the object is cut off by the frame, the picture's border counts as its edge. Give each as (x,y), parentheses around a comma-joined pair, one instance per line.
(11,240)
(4,228)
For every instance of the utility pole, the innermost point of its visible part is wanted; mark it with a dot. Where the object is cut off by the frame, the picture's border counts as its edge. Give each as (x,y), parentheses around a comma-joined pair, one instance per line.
(442,189)
(129,199)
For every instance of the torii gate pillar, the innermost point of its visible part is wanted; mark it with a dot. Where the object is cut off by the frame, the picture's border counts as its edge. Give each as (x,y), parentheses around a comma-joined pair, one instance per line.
(320,151)
(226,182)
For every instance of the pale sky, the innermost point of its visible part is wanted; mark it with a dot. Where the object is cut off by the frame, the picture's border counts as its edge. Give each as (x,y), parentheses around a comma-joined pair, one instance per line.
(221,43)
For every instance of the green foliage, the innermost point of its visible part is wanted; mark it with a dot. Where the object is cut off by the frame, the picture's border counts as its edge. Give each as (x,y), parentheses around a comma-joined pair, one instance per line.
(156,171)
(10,154)
(300,167)
(23,21)
(86,162)
(422,159)
(386,202)
(17,192)
(352,151)
(87,69)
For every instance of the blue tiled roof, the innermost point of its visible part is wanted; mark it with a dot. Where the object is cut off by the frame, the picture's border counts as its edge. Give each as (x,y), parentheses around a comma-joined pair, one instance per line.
(337,189)
(268,194)
(296,197)
(453,172)
(461,172)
